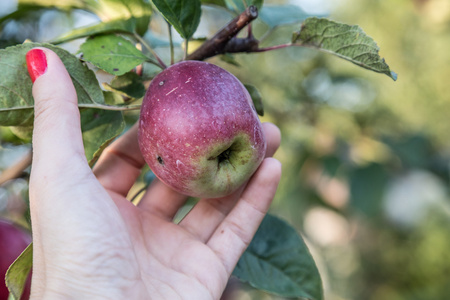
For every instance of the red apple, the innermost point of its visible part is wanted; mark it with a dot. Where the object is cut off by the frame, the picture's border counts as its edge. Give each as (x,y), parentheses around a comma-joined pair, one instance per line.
(199,131)
(13,240)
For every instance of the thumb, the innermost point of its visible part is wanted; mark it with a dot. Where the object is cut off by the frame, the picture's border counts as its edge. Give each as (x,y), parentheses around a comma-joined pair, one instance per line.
(57,133)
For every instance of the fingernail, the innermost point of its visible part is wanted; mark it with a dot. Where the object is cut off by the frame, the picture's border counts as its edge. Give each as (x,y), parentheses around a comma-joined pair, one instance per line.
(36,63)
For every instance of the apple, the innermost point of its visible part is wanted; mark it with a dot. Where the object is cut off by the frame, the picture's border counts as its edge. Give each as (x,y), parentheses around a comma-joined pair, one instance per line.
(13,240)
(199,131)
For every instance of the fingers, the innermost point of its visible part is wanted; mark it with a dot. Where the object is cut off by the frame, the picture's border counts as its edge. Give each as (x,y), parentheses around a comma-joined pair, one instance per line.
(235,233)
(273,137)
(161,200)
(120,163)
(57,135)
(203,219)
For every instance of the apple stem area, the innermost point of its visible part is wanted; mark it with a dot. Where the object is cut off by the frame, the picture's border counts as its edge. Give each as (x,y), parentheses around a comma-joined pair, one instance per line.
(224,156)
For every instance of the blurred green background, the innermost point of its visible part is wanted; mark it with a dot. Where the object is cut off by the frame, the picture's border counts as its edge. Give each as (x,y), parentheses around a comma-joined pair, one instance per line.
(366,160)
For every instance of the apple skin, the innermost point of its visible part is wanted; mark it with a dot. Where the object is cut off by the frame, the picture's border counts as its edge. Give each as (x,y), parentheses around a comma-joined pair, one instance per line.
(199,131)
(13,240)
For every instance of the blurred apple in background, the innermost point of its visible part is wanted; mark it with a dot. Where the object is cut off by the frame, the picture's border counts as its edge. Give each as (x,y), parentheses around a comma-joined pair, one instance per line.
(13,240)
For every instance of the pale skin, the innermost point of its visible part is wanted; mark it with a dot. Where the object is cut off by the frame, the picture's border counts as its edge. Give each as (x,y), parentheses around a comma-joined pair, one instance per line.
(90,242)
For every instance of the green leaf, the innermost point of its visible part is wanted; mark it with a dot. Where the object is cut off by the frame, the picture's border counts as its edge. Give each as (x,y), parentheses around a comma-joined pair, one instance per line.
(99,128)
(16,100)
(17,274)
(278,261)
(115,26)
(256,97)
(128,85)
(60,4)
(214,2)
(277,15)
(113,98)
(342,40)
(106,10)
(120,9)
(113,54)
(183,15)
(239,6)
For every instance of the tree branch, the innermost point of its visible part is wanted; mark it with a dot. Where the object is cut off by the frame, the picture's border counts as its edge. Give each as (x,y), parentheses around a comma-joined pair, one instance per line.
(218,43)
(16,170)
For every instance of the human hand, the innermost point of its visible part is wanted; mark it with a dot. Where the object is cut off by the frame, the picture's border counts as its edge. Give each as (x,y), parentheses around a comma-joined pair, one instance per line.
(90,242)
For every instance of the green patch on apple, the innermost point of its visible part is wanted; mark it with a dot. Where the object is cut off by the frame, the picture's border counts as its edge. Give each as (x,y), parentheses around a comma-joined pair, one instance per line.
(227,168)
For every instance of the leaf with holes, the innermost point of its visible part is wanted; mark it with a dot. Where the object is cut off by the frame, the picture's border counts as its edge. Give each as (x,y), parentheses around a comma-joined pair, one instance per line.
(113,54)
(342,40)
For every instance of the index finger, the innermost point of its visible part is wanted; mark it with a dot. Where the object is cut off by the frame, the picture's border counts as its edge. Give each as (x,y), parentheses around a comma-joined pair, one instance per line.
(236,231)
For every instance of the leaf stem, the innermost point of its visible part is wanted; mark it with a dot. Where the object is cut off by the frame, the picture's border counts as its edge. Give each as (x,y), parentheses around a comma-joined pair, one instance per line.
(16,170)
(276,47)
(249,31)
(111,107)
(147,46)
(186,42)
(172,50)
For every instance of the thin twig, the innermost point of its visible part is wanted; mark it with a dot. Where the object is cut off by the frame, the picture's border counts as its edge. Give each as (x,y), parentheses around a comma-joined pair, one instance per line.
(111,107)
(249,31)
(273,47)
(150,49)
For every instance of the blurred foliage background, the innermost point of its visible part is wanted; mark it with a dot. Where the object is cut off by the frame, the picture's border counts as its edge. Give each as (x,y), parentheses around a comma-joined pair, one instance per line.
(366,160)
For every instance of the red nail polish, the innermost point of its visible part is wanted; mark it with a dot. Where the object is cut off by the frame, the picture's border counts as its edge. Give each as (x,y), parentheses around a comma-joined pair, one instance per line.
(36,63)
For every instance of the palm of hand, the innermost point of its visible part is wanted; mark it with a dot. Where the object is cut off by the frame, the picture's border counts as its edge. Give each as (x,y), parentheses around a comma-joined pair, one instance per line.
(112,249)
(169,262)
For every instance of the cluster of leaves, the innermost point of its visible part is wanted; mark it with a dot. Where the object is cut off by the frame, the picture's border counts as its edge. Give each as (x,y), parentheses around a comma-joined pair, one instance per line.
(122,44)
